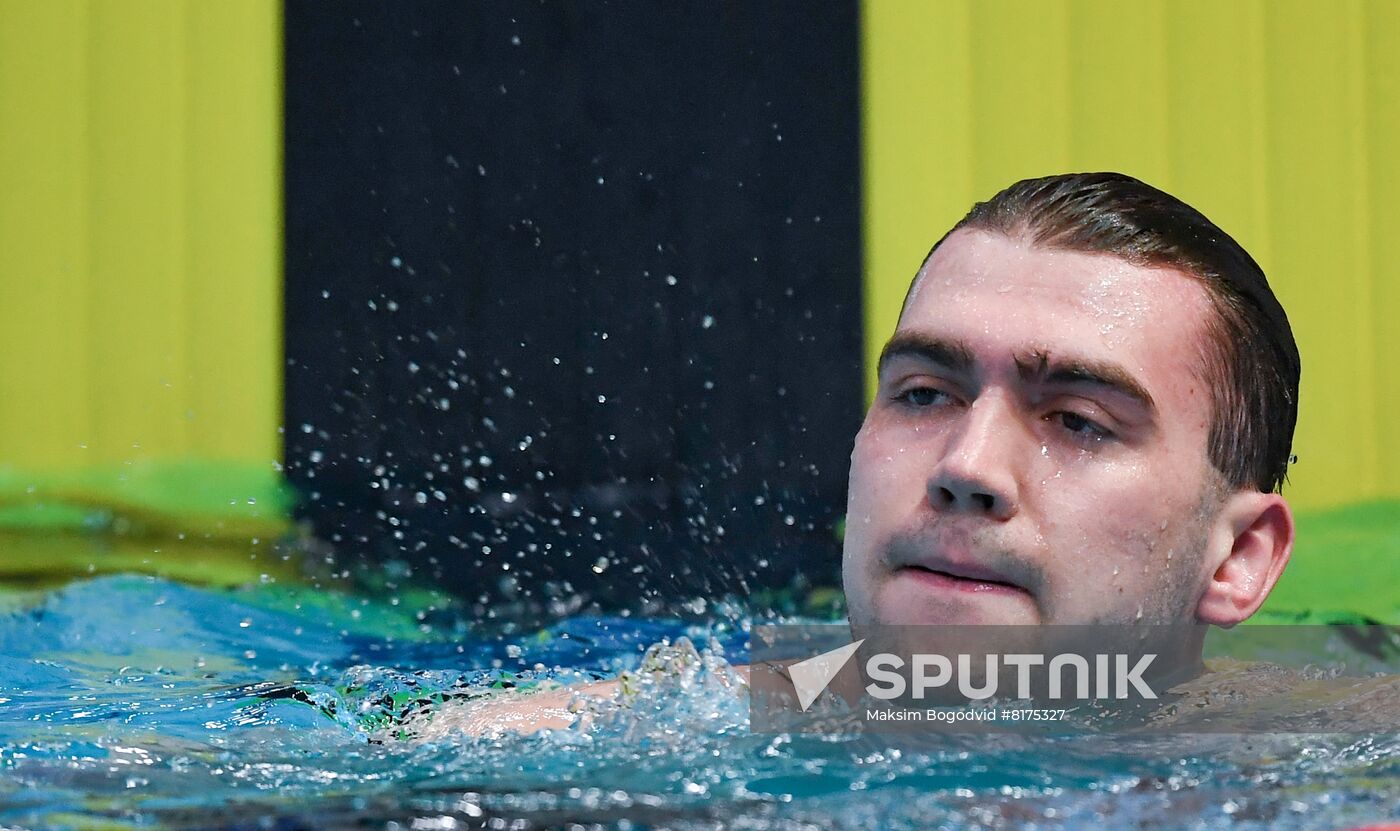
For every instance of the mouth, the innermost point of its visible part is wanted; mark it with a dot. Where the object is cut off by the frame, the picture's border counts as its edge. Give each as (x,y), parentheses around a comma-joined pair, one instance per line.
(959,578)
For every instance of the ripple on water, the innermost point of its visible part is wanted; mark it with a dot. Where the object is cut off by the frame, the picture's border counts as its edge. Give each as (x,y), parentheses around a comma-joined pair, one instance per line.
(136,701)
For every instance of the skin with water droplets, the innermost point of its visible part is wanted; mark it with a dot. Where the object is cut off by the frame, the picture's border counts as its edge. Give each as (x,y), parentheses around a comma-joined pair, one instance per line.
(1072,516)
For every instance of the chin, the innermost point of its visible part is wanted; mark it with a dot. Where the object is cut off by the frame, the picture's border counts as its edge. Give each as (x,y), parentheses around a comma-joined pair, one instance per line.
(897,608)
(907,598)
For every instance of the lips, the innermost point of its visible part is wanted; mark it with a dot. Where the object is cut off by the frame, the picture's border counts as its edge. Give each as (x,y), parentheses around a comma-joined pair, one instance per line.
(952,568)
(947,579)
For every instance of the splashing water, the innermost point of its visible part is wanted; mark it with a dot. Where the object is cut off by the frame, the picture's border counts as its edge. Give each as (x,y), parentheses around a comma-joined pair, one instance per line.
(135,702)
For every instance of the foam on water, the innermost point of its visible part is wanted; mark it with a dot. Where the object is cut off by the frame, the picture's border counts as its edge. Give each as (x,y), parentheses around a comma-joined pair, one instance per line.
(130,701)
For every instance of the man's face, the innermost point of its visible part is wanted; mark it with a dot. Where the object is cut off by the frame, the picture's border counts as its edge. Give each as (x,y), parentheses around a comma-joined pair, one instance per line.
(1036,450)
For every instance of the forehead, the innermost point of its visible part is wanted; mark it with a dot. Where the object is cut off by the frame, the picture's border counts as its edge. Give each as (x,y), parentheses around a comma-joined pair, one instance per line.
(1003,296)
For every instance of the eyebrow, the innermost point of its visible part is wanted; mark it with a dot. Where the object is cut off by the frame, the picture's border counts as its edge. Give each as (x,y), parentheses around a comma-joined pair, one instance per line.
(1037,365)
(950,354)
(1034,366)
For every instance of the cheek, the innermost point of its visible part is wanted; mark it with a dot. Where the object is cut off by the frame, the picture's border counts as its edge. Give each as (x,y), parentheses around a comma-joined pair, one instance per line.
(1129,521)
(889,473)
(1106,512)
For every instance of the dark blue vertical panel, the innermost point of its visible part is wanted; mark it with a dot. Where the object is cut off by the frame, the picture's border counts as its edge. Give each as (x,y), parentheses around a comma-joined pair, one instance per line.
(574,286)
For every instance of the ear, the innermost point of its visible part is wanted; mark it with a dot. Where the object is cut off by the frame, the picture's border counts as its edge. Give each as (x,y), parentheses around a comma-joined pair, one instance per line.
(1251,544)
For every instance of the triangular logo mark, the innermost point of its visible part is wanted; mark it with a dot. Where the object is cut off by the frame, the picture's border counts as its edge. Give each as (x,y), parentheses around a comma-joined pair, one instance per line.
(811,676)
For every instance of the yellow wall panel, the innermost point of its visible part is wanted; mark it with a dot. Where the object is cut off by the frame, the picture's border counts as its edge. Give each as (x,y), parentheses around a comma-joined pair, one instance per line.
(140,244)
(234,242)
(1277,119)
(1020,77)
(923,170)
(45,399)
(1213,126)
(137,221)
(1104,37)
(1319,186)
(1381,30)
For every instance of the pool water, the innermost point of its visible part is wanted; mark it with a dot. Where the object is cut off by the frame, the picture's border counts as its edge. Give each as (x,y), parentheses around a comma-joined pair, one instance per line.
(135,702)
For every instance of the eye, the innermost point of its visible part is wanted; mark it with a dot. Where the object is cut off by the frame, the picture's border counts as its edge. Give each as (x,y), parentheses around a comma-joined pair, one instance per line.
(922,396)
(1082,427)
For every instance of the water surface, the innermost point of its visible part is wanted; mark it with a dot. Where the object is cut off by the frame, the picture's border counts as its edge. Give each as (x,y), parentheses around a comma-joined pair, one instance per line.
(131,701)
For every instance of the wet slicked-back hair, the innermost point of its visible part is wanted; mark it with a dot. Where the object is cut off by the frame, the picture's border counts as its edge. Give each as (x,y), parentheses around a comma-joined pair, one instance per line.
(1251,362)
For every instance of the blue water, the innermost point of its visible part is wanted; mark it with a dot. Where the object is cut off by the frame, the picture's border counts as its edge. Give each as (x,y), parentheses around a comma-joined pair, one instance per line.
(135,702)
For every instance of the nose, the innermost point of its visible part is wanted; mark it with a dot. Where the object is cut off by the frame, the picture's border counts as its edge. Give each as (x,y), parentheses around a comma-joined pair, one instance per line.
(978,472)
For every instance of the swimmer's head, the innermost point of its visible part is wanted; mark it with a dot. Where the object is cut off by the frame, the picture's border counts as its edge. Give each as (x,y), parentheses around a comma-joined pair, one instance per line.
(1085,414)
